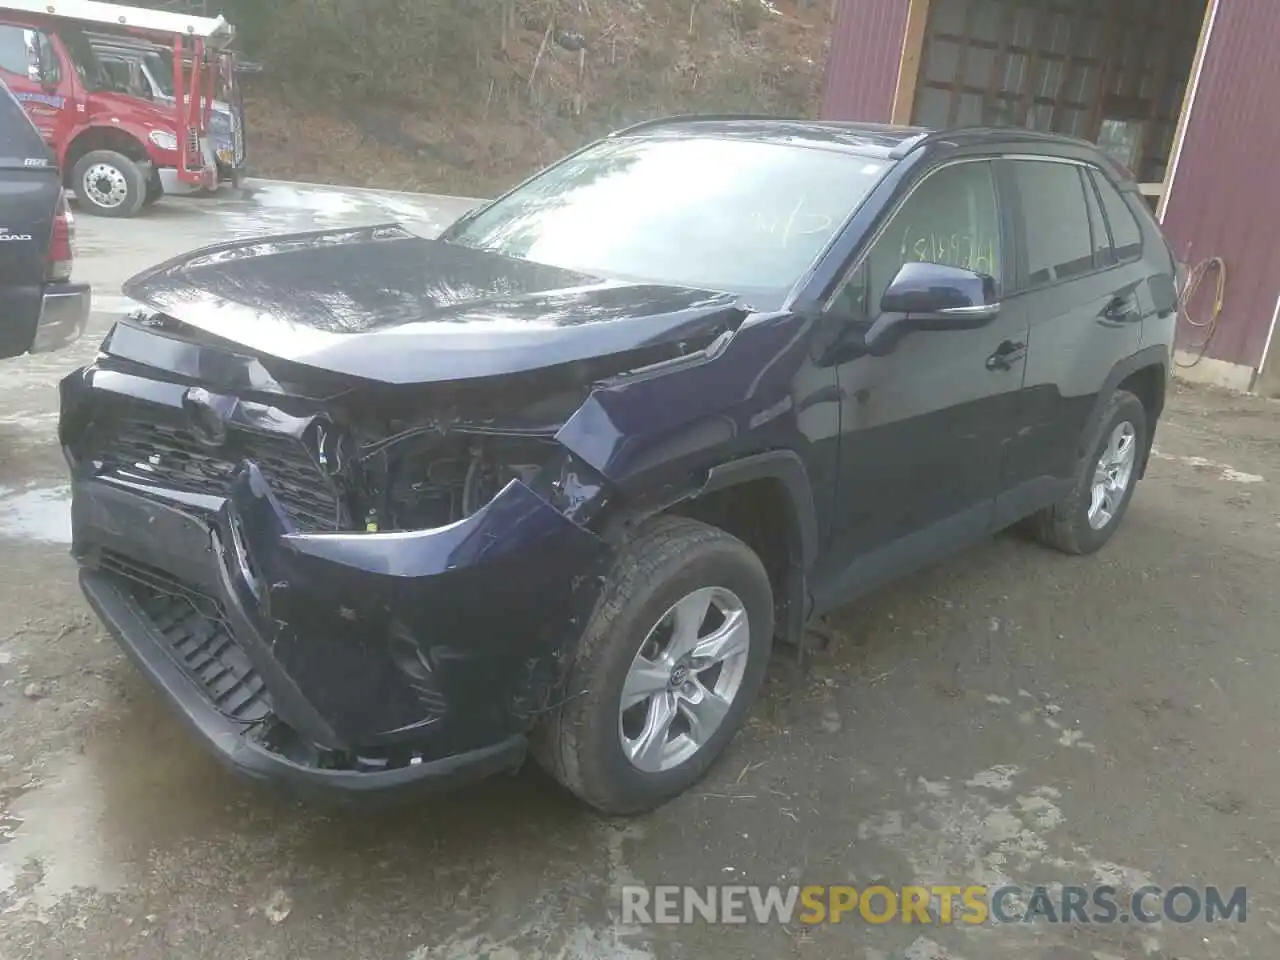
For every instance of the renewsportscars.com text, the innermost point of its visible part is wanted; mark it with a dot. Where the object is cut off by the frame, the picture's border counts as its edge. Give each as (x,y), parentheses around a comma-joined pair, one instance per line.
(972,905)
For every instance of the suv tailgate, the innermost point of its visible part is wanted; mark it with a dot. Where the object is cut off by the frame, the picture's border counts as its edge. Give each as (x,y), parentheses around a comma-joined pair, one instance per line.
(30,186)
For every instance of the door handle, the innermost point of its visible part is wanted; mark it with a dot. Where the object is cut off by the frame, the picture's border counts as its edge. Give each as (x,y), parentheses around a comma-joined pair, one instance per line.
(1006,355)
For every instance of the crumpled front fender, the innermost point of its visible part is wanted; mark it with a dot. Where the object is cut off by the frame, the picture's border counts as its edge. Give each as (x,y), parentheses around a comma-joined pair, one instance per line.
(386,633)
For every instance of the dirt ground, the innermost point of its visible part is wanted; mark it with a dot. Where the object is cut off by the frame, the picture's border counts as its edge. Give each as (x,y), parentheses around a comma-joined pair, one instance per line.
(1010,715)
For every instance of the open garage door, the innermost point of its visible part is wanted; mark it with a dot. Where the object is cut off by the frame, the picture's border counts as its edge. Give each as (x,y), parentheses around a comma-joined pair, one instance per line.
(1115,73)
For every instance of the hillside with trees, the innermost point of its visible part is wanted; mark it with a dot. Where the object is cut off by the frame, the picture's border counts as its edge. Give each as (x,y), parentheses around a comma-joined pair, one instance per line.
(468,96)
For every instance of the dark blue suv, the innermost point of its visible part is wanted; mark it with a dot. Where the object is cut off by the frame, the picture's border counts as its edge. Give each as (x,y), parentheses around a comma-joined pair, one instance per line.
(380,513)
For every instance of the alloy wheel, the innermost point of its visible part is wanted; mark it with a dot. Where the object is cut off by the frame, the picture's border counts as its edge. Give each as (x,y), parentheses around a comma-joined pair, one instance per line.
(1112,474)
(684,679)
(105,185)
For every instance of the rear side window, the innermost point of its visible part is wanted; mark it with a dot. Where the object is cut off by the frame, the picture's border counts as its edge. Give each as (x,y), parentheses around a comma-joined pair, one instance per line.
(1056,214)
(1126,235)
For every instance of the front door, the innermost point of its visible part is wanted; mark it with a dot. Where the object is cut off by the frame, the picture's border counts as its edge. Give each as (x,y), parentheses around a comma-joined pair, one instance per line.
(32,70)
(923,429)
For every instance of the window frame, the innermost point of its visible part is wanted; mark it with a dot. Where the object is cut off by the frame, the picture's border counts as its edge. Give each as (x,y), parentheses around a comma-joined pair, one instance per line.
(1093,174)
(1089,169)
(1008,255)
(21,31)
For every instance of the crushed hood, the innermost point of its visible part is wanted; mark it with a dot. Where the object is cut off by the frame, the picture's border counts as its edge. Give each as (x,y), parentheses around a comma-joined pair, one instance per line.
(384,304)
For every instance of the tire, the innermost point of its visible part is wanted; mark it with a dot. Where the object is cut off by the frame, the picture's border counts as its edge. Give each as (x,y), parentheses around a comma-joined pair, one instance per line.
(155,189)
(580,743)
(120,187)
(1075,524)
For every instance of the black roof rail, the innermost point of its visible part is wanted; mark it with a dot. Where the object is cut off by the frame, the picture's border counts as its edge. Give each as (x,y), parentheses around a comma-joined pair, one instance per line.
(909,144)
(963,135)
(700,117)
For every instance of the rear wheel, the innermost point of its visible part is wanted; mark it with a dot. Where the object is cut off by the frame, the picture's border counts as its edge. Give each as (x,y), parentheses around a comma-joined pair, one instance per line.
(109,184)
(665,671)
(1088,516)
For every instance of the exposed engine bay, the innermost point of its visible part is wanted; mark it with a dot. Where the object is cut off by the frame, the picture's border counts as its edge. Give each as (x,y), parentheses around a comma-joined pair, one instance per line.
(417,483)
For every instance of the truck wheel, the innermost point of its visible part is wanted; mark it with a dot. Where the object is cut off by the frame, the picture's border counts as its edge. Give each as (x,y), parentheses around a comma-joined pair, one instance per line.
(1089,515)
(109,184)
(665,671)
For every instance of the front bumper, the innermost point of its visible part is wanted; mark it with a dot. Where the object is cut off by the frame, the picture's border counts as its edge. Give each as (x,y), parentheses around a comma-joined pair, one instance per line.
(241,747)
(350,664)
(174,185)
(64,314)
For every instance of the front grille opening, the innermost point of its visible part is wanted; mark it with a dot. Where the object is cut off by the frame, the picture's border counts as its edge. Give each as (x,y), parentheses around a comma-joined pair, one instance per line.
(195,629)
(167,456)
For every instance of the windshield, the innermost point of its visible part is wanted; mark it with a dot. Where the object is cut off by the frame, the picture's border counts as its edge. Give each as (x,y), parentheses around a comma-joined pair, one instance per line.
(723,214)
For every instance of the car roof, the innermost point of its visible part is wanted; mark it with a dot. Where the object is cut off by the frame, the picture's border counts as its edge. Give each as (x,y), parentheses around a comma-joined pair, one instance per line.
(885,141)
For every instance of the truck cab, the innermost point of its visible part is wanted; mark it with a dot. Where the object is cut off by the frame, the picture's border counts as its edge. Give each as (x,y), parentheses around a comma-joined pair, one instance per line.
(145,70)
(118,151)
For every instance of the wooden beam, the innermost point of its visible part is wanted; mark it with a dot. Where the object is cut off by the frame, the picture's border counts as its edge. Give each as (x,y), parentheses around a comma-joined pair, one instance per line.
(999,60)
(962,61)
(1041,19)
(913,42)
(1188,98)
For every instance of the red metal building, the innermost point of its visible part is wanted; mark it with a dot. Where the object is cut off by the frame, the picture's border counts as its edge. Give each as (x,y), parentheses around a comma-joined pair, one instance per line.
(1181,91)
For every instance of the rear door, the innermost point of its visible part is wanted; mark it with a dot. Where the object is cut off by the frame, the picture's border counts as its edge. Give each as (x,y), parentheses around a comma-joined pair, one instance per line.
(1084,301)
(29,191)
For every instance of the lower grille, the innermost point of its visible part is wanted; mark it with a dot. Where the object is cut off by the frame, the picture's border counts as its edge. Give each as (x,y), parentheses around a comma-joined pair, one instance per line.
(194,627)
(171,457)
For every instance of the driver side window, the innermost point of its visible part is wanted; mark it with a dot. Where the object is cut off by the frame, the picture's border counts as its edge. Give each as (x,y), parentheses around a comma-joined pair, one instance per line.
(951,218)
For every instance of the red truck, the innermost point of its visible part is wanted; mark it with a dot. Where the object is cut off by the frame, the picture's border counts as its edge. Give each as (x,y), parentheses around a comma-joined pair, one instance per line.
(119,152)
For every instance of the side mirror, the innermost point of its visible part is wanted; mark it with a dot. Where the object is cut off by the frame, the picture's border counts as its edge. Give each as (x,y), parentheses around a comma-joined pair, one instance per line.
(39,67)
(931,296)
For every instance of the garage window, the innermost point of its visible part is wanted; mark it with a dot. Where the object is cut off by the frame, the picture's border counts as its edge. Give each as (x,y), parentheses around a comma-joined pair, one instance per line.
(1059,242)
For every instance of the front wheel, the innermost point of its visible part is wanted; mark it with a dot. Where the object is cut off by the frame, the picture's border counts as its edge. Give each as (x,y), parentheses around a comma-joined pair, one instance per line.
(665,671)
(1089,515)
(109,184)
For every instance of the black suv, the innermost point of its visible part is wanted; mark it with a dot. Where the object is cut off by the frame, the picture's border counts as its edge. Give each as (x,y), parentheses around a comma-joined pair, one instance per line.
(40,308)
(379,512)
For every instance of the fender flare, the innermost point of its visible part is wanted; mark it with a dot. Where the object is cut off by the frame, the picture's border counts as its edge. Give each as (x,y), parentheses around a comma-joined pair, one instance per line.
(786,467)
(133,130)
(1156,356)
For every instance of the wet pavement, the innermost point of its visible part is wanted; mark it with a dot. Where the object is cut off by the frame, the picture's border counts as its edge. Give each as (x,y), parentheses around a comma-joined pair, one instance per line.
(1011,715)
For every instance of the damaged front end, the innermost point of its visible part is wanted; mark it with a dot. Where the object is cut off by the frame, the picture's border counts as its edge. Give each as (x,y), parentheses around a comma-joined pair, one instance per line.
(346,584)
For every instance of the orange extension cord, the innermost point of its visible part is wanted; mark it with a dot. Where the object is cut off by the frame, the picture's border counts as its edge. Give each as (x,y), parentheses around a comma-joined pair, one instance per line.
(1189,289)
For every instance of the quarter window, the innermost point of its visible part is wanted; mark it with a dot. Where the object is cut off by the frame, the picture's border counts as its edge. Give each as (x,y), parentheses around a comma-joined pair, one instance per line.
(1059,244)
(1126,235)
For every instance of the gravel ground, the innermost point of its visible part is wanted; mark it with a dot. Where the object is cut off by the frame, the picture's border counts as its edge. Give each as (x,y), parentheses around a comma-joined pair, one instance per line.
(1013,715)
